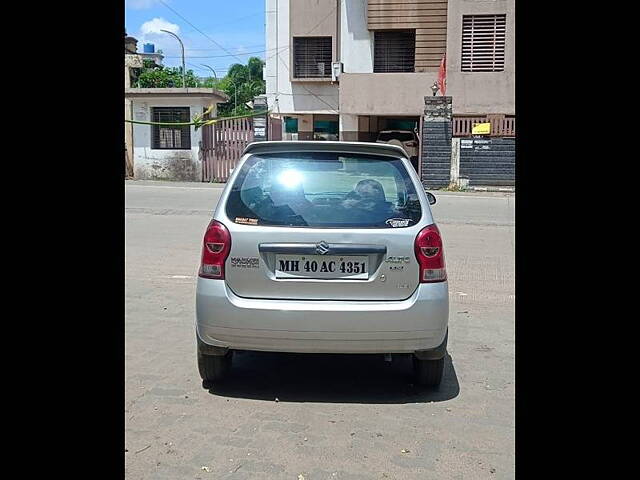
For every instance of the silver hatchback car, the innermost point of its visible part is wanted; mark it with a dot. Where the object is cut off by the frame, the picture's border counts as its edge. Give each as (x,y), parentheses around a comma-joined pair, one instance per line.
(323,247)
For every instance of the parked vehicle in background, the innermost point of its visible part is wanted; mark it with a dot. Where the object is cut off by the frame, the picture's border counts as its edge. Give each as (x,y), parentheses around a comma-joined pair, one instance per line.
(407,139)
(323,247)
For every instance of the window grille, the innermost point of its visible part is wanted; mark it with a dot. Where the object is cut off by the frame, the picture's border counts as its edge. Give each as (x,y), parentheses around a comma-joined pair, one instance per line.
(312,57)
(394,51)
(170,138)
(483,38)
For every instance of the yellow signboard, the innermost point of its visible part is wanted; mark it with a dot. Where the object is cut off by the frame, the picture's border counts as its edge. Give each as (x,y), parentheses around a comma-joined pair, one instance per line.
(481,129)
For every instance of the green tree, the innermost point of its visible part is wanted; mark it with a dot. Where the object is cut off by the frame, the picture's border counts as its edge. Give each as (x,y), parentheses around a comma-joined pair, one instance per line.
(242,83)
(158,76)
(211,82)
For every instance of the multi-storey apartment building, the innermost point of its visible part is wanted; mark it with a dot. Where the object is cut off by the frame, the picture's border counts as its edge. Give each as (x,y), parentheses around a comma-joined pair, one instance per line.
(346,69)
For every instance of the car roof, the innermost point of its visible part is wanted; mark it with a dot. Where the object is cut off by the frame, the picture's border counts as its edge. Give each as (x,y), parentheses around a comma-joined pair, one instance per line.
(325,146)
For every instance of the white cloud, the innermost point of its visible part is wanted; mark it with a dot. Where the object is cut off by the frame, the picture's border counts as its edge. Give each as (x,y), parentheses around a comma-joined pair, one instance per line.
(197,45)
(149,32)
(141,4)
(154,26)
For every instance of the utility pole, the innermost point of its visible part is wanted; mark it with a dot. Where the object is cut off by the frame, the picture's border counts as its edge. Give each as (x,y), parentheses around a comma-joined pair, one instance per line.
(184,82)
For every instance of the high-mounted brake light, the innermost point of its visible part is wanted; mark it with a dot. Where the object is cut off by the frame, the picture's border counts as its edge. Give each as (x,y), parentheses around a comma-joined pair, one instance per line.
(215,250)
(430,255)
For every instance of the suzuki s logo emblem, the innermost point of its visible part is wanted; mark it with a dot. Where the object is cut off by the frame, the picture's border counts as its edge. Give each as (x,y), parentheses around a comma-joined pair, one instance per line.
(322,248)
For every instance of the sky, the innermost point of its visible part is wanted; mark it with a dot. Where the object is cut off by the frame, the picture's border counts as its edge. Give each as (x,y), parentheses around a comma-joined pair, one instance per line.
(236,25)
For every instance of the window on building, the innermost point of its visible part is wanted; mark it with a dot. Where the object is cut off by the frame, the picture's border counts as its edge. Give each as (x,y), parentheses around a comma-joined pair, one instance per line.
(394,51)
(166,137)
(290,125)
(312,57)
(483,39)
(325,129)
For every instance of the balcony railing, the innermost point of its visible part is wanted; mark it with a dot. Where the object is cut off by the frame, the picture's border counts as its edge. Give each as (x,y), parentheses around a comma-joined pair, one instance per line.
(501,125)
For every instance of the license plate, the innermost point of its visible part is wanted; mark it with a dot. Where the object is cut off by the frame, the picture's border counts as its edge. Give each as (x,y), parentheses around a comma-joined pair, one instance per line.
(354,267)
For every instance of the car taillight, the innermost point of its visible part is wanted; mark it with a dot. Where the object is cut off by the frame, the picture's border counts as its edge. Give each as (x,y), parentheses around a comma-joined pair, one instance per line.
(430,255)
(215,250)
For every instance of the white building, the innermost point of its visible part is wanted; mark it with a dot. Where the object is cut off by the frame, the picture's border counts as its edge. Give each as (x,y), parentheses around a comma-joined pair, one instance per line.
(166,152)
(388,54)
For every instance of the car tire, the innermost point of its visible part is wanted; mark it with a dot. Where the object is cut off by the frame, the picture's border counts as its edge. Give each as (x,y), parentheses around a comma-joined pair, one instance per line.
(428,373)
(213,368)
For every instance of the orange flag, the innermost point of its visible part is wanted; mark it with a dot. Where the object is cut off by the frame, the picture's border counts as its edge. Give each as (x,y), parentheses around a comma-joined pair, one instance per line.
(442,75)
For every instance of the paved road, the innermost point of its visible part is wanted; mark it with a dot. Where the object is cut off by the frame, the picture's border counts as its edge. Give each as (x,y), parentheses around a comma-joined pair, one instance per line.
(336,417)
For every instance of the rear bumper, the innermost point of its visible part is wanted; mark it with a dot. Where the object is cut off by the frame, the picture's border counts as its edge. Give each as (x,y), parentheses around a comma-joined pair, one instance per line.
(418,323)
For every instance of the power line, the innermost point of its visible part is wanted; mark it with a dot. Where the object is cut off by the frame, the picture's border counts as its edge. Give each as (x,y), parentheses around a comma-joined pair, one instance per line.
(200,68)
(200,31)
(285,66)
(235,20)
(323,19)
(258,51)
(211,49)
(227,69)
(313,94)
(282,49)
(221,56)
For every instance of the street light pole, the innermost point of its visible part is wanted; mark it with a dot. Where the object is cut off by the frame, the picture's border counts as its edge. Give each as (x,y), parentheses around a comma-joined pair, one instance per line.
(235,87)
(184,82)
(214,72)
(235,95)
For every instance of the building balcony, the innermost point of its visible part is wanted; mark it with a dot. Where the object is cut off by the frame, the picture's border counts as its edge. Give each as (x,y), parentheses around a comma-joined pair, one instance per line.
(385,93)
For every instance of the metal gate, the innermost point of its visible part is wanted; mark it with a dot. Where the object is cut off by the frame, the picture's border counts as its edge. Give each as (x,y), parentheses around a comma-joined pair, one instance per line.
(221,147)
(275,129)
(488,161)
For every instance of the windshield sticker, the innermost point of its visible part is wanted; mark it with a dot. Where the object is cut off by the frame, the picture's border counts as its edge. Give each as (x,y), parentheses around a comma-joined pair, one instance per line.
(247,221)
(398,222)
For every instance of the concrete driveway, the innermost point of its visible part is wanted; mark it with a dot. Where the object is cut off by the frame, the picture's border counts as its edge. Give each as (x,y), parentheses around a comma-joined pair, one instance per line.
(319,416)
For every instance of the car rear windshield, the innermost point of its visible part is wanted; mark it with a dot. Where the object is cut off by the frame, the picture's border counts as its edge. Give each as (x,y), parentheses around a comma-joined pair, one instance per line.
(324,189)
(402,136)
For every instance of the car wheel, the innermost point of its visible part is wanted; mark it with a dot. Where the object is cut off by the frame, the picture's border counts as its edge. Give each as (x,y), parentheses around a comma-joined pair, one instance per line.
(213,368)
(428,372)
